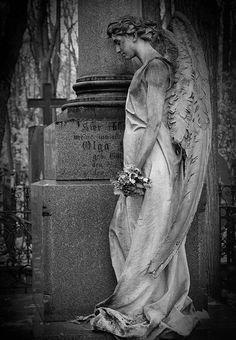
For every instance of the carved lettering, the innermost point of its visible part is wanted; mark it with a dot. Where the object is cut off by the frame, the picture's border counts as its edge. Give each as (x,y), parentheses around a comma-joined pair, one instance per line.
(99,147)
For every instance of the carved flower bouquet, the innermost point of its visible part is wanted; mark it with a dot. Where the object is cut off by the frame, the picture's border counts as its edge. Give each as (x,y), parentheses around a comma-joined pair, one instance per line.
(130,182)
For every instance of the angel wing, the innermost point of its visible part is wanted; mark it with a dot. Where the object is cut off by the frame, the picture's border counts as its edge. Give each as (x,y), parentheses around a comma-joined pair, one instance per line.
(189,121)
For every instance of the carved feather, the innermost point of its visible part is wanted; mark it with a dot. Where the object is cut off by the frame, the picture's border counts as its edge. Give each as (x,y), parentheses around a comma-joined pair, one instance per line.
(189,121)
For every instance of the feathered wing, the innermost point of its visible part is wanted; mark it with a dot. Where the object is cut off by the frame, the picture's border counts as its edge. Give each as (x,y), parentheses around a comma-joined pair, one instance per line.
(189,120)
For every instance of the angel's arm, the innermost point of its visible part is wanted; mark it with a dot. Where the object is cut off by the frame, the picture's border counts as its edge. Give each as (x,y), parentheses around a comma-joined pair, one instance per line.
(157,77)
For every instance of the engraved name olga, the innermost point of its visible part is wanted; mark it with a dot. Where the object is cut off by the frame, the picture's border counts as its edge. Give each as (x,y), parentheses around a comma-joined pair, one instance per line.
(101,144)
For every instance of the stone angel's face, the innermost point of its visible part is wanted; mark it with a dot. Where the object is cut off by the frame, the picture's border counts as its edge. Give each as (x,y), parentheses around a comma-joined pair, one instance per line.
(124,45)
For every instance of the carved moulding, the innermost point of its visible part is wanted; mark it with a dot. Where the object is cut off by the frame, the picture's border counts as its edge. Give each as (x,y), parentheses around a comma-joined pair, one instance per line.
(100,90)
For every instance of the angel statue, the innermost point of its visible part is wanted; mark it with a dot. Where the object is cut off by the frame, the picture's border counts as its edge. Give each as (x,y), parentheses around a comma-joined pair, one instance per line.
(166,140)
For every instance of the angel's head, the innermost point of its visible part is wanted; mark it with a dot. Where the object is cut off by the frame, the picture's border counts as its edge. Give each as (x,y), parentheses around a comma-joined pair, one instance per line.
(127,31)
(130,25)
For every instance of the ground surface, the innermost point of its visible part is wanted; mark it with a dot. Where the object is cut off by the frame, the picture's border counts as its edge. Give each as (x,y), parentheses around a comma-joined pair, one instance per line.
(19,319)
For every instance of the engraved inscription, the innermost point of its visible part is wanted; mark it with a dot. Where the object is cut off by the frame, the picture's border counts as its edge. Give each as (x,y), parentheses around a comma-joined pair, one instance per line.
(100,147)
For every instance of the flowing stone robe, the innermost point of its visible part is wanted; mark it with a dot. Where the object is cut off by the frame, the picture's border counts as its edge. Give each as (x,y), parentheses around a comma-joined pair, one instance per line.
(144,305)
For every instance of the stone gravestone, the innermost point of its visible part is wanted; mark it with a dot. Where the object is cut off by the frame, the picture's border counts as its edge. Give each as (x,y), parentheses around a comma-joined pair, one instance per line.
(36,152)
(72,208)
(95,147)
(36,133)
(72,212)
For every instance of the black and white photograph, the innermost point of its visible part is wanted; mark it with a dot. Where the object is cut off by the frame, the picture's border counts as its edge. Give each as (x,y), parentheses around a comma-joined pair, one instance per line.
(117,169)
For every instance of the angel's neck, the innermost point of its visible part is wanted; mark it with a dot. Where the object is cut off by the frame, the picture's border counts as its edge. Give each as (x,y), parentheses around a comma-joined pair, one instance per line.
(145,52)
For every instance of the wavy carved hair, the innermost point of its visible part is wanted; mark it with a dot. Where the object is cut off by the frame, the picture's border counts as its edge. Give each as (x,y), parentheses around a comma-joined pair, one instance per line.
(162,40)
(145,29)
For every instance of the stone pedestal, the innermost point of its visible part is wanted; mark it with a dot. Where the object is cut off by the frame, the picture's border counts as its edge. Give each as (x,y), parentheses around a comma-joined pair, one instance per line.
(72,270)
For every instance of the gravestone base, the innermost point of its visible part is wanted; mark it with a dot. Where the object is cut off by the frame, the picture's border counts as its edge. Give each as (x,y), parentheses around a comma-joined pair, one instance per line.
(72,270)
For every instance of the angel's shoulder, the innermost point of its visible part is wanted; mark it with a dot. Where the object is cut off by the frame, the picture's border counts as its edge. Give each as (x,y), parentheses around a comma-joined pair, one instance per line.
(157,68)
(157,64)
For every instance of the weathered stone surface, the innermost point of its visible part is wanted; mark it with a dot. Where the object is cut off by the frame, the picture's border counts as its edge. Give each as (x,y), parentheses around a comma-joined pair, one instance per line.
(36,153)
(97,53)
(71,260)
(84,148)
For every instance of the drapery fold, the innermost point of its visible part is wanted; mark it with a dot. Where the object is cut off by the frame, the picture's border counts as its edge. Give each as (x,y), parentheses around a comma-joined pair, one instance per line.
(151,297)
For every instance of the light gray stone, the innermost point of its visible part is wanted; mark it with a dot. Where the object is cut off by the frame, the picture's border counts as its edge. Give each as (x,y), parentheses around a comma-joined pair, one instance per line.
(96,52)
(72,269)
(84,149)
(71,260)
